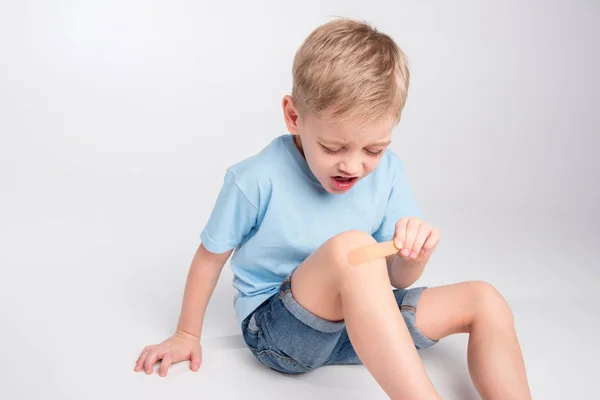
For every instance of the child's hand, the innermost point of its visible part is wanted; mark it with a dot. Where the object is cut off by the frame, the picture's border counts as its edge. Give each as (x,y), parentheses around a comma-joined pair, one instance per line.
(416,239)
(179,347)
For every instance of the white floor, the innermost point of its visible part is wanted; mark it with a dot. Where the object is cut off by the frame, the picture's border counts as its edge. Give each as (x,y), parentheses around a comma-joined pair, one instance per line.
(88,281)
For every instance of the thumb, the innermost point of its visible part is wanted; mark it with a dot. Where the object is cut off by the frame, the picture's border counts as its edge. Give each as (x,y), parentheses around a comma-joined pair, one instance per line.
(196,359)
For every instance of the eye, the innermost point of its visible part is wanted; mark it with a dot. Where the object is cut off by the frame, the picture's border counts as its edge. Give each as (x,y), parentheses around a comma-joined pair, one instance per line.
(330,151)
(374,153)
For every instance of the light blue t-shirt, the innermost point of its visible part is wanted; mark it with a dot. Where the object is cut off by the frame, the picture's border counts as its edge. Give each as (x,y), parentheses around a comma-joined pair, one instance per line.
(274,212)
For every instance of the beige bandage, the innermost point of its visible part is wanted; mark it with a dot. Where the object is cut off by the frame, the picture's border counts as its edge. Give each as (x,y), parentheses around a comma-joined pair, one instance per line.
(371,252)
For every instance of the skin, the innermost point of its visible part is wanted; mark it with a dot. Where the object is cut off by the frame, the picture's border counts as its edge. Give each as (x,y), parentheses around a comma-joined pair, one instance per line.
(325,284)
(338,148)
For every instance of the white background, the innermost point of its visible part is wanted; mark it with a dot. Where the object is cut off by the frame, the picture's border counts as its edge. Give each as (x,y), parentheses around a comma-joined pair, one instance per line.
(118,119)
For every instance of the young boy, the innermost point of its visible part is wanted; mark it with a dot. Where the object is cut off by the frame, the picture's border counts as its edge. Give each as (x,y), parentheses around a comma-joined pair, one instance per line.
(296,209)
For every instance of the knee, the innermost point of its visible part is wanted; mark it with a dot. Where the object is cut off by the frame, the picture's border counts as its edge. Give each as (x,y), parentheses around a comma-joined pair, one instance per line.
(489,302)
(351,239)
(340,245)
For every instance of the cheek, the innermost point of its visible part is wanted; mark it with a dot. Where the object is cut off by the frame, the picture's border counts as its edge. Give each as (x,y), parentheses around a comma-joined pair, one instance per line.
(321,161)
(371,164)
(318,163)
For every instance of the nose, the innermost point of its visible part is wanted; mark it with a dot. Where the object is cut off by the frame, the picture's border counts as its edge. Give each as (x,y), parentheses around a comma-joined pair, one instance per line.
(350,166)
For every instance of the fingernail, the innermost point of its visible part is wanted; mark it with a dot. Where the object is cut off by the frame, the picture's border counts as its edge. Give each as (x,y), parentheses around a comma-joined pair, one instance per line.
(405,252)
(413,254)
(398,244)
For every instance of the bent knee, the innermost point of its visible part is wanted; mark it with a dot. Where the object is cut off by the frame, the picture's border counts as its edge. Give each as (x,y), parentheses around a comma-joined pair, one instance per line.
(340,245)
(351,239)
(489,300)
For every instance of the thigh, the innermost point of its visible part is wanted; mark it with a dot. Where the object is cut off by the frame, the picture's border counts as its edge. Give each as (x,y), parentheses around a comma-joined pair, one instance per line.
(299,328)
(315,283)
(408,303)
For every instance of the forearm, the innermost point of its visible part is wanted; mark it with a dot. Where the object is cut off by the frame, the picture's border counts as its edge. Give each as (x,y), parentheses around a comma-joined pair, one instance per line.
(404,273)
(201,282)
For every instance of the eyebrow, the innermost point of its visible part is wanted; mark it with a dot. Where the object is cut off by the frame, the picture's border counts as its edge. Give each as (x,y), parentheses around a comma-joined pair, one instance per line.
(381,143)
(332,141)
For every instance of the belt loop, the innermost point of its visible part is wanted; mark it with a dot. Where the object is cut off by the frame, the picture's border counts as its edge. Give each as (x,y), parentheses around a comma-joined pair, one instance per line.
(286,280)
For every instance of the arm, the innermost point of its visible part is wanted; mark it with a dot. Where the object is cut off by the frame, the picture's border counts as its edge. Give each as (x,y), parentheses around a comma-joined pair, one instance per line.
(185,343)
(232,218)
(416,240)
(201,282)
(403,272)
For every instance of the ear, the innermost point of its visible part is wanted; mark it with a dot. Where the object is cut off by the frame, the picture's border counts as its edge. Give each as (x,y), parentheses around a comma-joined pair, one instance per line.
(290,114)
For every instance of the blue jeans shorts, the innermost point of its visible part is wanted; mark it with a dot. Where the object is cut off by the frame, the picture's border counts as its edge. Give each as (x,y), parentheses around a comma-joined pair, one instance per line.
(288,338)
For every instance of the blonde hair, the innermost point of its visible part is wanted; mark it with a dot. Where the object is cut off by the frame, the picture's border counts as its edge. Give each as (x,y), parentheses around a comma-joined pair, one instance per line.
(350,67)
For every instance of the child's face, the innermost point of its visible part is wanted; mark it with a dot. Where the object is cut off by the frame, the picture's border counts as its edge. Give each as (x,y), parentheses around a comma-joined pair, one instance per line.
(339,154)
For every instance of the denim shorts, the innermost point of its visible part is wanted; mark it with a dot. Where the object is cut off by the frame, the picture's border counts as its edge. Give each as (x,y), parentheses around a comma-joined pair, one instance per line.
(288,338)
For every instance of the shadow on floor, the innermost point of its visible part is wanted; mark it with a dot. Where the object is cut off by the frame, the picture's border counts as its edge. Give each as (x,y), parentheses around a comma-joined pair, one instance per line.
(224,343)
(445,358)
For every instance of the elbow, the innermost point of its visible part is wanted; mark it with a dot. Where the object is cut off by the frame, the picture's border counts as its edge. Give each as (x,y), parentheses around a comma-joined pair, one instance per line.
(404,284)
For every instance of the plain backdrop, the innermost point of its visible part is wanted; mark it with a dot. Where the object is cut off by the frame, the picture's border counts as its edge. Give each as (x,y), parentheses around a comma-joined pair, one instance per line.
(119,118)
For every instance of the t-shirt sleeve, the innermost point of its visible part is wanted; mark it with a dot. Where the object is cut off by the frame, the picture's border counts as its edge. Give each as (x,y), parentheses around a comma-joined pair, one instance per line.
(231,219)
(401,203)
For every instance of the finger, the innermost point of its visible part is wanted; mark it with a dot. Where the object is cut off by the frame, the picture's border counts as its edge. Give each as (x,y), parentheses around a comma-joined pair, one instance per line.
(432,241)
(422,235)
(165,364)
(411,234)
(151,360)
(400,232)
(140,361)
(196,359)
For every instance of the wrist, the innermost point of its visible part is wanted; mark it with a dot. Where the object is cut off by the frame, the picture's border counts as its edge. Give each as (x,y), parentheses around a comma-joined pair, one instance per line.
(184,334)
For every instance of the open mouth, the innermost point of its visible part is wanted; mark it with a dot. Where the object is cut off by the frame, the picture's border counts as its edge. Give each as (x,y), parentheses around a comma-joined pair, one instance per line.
(343,183)
(342,179)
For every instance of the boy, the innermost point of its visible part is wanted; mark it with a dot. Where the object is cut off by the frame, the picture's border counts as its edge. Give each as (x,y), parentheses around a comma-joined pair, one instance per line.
(296,209)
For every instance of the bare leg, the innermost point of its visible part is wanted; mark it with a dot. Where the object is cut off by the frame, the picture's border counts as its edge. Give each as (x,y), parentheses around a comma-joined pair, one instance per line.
(494,355)
(329,287)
